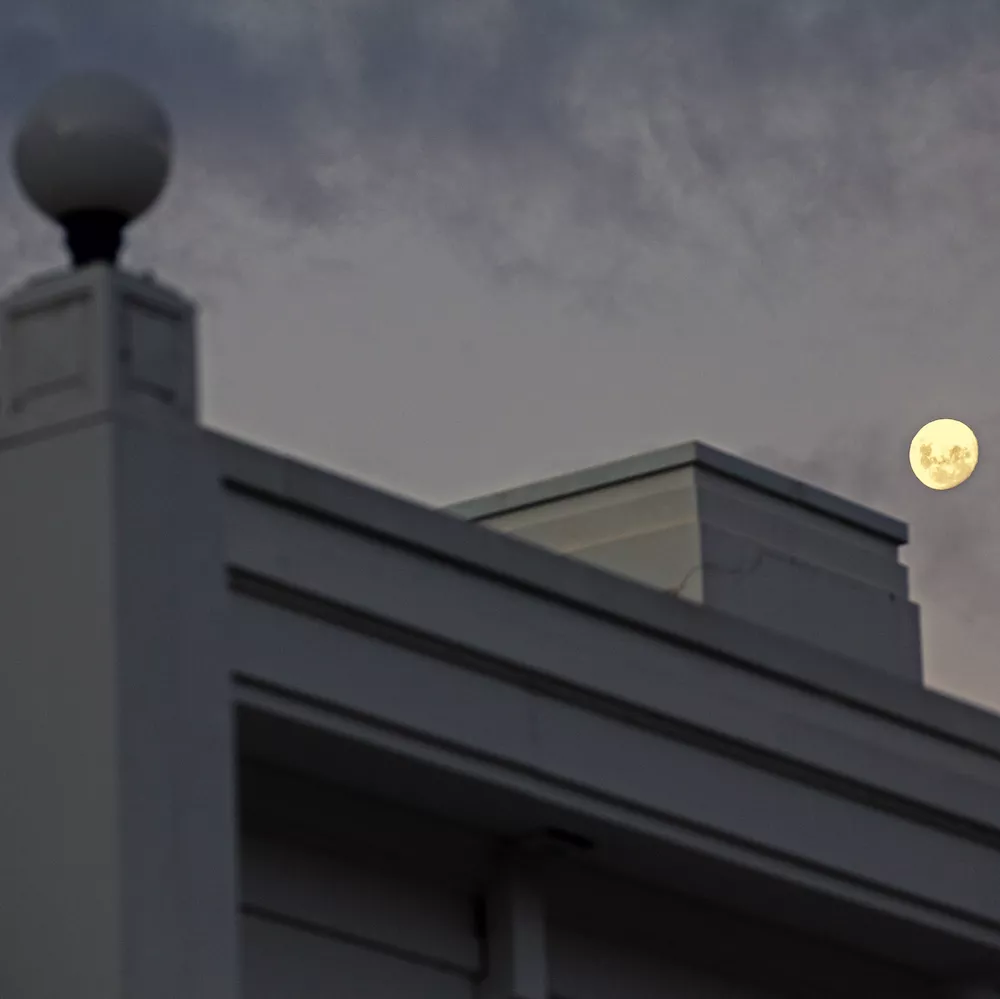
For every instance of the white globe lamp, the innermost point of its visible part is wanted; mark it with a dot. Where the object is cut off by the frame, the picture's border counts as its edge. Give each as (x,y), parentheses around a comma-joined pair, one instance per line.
(93,155)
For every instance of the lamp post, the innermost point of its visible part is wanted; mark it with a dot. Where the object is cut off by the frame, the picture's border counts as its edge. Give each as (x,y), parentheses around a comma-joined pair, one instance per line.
(117,857)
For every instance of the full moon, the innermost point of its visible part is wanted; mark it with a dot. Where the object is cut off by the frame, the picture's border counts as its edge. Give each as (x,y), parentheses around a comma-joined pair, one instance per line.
(943,454)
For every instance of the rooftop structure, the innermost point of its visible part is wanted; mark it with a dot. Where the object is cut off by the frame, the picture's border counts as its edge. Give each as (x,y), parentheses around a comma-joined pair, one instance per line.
(729,534)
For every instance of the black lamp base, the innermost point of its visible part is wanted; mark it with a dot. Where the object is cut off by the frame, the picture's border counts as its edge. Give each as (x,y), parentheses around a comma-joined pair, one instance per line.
(93,235)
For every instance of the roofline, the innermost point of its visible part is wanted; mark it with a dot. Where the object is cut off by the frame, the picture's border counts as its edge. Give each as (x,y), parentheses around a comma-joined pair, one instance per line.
(679,456)
(409,523)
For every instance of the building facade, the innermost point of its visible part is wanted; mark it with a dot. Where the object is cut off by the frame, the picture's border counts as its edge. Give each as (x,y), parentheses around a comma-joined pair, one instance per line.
(657,730)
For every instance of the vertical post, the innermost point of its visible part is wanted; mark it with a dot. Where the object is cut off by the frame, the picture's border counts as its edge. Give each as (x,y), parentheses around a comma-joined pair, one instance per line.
(516,947)
(117,841)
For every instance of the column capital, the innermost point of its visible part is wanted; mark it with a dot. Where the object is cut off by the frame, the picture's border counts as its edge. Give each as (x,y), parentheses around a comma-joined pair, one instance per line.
(88,344)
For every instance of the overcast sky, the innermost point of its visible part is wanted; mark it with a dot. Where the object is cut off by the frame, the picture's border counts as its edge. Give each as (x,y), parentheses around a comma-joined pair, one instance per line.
(449,246)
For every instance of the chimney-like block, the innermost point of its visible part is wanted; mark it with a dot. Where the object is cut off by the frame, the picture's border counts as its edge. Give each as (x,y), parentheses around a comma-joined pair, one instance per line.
(721,531)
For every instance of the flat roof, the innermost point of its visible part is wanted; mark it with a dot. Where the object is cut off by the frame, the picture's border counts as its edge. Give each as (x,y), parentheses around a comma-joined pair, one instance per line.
(667,459)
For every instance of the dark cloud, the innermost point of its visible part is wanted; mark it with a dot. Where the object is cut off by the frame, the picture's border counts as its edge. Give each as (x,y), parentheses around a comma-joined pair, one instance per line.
(634,122)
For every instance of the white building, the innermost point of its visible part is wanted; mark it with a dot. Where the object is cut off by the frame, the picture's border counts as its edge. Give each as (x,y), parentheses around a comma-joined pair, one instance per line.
(655,730)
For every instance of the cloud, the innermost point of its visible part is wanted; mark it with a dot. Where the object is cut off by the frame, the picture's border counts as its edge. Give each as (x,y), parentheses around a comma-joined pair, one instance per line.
(558,137)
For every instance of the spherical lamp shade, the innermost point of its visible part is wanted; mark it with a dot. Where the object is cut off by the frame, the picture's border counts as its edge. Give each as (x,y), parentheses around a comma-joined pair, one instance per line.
(93,155)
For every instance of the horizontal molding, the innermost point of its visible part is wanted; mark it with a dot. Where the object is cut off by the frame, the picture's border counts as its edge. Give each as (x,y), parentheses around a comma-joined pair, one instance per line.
(376,901)
(320,929)
(823,767)
(329,678)
(949,931)
(285,490)
(284,958)
(548,644)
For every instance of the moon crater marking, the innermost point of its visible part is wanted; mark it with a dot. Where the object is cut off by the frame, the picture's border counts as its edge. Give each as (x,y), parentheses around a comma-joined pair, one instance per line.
(943,454)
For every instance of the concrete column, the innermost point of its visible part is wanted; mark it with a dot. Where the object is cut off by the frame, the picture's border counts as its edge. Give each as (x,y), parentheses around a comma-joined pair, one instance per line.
(117,841)
(517,965)
(516,948)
